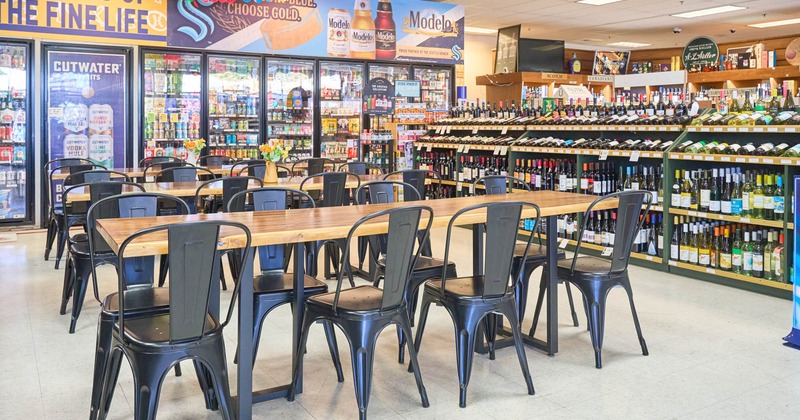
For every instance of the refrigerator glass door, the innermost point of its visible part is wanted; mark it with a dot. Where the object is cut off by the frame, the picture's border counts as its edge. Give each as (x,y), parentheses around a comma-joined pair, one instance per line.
(290,105)
(435,88)
(172,84)
(13,133)
(341,86)
(234,85)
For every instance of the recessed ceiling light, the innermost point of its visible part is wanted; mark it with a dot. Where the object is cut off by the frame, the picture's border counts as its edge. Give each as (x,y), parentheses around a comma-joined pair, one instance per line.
(628,44)
(776,23)
(710,11)
(479,31)
(597,2)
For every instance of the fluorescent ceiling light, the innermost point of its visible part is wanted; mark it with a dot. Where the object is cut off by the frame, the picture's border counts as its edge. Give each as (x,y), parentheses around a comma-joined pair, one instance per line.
(776,23)
(480,31)
(628,44)
(710,11)
(597,2)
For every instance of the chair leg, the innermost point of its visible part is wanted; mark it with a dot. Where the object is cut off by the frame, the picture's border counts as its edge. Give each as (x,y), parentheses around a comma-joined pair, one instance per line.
(222,276)
(490,331)
(51,236)
(427,299)
(83,270)
(362,251)
(401,339)
(362,353)
(63,232)
(111,370)
(571,304)
(205,381)
(218,372)
(510,312)
(163,269)
(539,301)
(597,314)
(101,357)
(333,346)
(405,325)
(148,374)
(307,322)
(69,278)
(466,332)
(626,285)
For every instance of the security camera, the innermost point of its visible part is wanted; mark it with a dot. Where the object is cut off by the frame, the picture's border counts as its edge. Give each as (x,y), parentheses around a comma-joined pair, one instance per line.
(733,31)
(676,30)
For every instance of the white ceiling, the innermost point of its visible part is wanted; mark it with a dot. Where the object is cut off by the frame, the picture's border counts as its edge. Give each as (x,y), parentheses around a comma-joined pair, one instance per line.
(646,21)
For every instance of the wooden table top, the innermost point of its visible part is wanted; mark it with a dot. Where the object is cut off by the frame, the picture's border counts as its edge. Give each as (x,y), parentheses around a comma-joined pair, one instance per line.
(302,225)
(138,172)
(188,189)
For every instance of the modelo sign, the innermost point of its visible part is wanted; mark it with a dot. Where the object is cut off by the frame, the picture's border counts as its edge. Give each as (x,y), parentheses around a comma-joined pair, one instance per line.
(388,30)
(699,52)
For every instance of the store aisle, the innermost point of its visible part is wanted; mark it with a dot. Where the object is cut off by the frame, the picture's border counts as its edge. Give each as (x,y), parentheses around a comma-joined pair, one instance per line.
(715,352)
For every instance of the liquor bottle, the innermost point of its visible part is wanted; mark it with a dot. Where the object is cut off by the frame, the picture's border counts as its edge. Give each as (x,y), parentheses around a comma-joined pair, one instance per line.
(652,239)
(747,106)
(737,257)
(747,196)
(737,201)
(778,200)
(725,202)
(769,198)
(778,257)
(769,273)
(703,248)
(757,209)
(385,37)
(725,261)
(758,255)
(362,32)
(747,255)
(705,192)
(693,244)
(684,247)
(674,244)
(660,236)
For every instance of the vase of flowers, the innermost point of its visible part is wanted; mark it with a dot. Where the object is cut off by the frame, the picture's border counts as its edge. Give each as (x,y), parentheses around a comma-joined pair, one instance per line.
(193,149)
(273,152)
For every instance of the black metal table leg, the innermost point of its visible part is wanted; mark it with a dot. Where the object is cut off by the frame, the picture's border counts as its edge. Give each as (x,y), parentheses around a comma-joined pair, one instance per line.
(244,370)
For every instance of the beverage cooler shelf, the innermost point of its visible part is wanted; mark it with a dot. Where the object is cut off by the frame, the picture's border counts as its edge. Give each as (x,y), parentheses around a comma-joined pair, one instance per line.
(735,219)
(730,275)
(232,116)
(289,122)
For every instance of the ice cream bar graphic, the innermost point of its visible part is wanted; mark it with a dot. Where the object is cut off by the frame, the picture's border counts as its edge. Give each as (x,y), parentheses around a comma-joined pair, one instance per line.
(277,34)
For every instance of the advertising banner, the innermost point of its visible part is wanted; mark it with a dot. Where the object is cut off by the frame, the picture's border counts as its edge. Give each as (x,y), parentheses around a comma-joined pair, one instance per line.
(142,22)
(399,30)
(699,52)
(379,97)
(611,62)
(87,100)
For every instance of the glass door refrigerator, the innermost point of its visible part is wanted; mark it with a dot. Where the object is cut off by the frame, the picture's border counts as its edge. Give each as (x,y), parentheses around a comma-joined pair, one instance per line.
(290,105)
(340,89)
(172,102)
(16,195)
(234,102)
(436,89)
(378,139)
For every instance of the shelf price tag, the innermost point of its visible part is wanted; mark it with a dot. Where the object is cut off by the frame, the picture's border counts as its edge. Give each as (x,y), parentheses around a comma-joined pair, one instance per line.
(460,148)
(772,129)
(563,244)
(753,160)
(711,271)
(725,159)
(466,148)
(704,129)
(758,129)
(447,131)
(786,161)
(504,131)
(673,263)
(496,150)
(475,130)
(430,147)
(504,150)
(648,257)
(635,156)
(459,185)
(744,219)
(419,146)
(738,159)
(788,130)
(709,157)
(607,251)
(767,160)
(604,154)
(718,129)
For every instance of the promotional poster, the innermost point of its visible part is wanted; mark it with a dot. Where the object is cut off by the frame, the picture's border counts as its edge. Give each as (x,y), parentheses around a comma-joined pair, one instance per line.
(87,97)
(379,97)
(407,30)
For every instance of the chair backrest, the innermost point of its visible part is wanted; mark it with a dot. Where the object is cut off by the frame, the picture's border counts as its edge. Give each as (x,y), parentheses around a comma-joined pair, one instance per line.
(125,206)
(160,166)
(417,178)
(629,220)
(157,160)
(236,168)
(361,168)
(214,160)
(181,174)
(194,265)
(380,192)
(65,162)
(53,187)
(499,184)
(402,250)
(315,165)
(333,187)
(230,187)
(269,199)
(95,175)
(257,169)
(499,241)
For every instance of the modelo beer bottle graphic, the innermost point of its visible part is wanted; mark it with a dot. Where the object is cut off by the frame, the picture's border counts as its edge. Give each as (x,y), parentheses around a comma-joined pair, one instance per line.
(362,32)
(338,33)
(385,37)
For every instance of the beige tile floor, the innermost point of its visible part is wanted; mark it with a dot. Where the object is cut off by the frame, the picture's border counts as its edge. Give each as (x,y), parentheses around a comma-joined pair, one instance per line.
(715,352)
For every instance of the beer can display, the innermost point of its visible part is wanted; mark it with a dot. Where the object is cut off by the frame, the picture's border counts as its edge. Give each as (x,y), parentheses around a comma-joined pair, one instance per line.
(338,33)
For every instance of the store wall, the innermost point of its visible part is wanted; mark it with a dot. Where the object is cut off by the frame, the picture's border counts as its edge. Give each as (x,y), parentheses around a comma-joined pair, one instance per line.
(478,59)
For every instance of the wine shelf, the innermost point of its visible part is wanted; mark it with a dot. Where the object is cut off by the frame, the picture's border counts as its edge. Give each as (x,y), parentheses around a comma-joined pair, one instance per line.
(781,72)
(743,129)
(600,248)
(591,152)
(756,160)
(446,129)
(735,219)
(730,275)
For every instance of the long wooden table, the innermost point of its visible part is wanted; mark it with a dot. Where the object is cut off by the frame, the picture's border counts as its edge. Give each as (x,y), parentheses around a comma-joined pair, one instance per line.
(138,172)
(188,189)
(302,225)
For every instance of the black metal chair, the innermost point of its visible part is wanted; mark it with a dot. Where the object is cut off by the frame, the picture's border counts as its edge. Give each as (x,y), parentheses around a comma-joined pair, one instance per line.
(379,192)
(470,299)
(156,168)
(212,204)
(182,174)
(75,213)
(334,185)
(80,261)
(273,287)
(596,276)
(236,168)
(153,343)
(257,170)
(156,160)
(140,300)
(537,257)
(314,166)
(419,179)
(363,312)
(361,168)
(52,195)
(214,160)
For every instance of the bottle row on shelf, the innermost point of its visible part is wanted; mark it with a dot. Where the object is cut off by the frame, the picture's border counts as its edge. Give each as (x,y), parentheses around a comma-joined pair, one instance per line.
(738,248)
(729,191)
(714,147)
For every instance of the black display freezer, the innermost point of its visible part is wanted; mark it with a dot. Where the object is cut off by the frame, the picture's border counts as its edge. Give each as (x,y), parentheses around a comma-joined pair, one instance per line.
(289,106)
(16,147)
(341,86)
(234,106)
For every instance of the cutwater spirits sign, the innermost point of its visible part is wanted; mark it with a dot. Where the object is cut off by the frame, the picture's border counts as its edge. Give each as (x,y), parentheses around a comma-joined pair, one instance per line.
(142,22)
(399,30)
(700,52)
